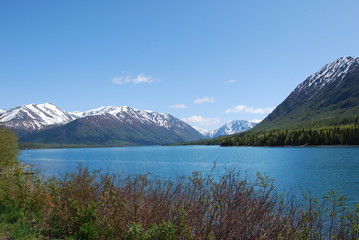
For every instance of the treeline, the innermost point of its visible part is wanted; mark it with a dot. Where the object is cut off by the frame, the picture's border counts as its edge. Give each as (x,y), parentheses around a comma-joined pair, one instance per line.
(343,135)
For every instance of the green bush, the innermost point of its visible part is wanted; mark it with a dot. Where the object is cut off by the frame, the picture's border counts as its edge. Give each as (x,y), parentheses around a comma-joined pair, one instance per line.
(93,205)
(8,149)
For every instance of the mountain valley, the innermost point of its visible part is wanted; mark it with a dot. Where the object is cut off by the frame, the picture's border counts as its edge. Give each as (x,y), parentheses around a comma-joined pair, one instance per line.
(326,104)
(322,110)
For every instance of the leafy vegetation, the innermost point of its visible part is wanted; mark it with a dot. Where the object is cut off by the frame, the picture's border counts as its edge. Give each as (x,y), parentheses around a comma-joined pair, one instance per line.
(8,149)
(93,205)
(96,205)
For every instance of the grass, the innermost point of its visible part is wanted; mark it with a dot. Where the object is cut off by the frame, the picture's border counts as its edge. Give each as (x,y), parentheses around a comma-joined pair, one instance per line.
(96,205)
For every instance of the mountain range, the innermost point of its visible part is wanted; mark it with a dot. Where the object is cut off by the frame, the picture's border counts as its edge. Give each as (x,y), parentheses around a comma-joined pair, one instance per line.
(109,126)
(48,124)
(329,97)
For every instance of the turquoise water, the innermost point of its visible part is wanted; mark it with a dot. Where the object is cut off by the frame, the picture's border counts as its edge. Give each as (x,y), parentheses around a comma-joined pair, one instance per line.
(315,170)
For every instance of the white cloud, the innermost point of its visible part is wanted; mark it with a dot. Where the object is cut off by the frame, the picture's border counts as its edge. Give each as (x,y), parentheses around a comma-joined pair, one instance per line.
(179,106)
(199,120)
(239,108)
(205,100)
(140,78)
(231,81)
(252,110)
(256,120)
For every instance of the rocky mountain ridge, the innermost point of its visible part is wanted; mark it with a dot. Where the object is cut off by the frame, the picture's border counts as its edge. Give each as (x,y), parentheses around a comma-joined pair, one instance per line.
(48,124)
(35,117)
(323,99)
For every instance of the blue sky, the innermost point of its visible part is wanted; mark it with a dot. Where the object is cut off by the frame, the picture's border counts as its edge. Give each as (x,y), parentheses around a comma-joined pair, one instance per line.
(207,62)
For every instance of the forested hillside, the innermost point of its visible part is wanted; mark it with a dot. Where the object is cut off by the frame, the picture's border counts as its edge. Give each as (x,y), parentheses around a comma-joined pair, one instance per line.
(343,135)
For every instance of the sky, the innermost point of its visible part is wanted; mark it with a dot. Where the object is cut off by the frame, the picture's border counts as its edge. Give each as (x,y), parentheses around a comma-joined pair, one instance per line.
(205,62)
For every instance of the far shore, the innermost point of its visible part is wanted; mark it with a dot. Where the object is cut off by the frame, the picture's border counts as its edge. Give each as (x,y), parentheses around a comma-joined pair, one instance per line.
(36,147)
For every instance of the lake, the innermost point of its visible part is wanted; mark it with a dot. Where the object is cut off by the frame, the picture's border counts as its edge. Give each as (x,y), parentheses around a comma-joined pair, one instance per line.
(312,169)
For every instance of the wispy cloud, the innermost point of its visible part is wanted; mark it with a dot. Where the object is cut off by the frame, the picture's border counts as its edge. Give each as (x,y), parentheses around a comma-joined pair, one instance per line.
(205,100)
(230,81)
(178,106)
(252,110)
(140,78)
(199,120)
(256,120)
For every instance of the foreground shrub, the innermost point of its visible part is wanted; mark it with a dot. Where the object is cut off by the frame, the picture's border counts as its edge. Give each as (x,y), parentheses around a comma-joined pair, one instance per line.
(93,205)
(8,150)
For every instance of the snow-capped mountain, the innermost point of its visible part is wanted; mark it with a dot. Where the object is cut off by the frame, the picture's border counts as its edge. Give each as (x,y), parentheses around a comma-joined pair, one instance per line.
(232,127)
(327,97)
(202,131)
(46,123)
(35,117)
(2,112)
(332,72)
(127,114)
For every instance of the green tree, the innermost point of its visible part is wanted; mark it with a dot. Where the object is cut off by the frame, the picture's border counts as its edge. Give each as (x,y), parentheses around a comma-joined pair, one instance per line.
(8,149)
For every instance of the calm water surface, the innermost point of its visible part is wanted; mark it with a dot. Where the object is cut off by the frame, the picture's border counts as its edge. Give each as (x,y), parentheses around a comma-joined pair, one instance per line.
(316,169)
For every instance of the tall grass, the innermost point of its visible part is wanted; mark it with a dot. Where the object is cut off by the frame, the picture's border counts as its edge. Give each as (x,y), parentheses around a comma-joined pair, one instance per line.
(95,205)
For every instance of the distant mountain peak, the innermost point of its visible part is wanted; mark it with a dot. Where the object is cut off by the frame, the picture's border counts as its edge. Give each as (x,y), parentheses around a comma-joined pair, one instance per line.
(231,127)
(234,126)
(202,131)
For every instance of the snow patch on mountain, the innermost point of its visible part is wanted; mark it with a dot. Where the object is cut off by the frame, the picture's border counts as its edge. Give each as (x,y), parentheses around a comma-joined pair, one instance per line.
(112,110)
(129,115)
(34,117)
(334,71)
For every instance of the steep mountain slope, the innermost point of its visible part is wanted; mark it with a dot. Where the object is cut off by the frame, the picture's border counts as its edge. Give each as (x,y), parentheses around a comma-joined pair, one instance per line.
(34,117)
(325,98)
(117,126)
